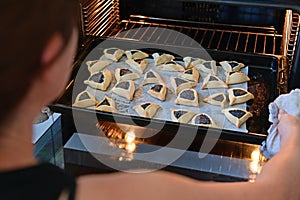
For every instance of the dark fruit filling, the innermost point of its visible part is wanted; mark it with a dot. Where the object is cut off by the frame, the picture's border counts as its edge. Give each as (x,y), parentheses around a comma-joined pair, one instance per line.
(237,113)
(150,75)
(179,113)
(99,77)
(190,71)
(207,65)
(124,85)
(238,92)
(104,103)
(83,96)
(138,60)
(202,119)
(94,62)
(219,98)
(188,94)
(145,105)
(212,78)
(233,64)
(179,81)
(156,88)
(111,51)
(124,71)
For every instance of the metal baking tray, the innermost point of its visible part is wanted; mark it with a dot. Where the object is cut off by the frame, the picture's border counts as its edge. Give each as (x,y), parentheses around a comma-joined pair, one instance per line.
(262,72)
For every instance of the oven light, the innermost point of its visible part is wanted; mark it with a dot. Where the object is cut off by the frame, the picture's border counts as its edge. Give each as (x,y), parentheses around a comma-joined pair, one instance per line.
(130,147)
(255,155)
(254,165)
(130,137)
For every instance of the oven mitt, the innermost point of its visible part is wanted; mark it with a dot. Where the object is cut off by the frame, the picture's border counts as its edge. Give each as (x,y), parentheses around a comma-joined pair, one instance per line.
(291,104)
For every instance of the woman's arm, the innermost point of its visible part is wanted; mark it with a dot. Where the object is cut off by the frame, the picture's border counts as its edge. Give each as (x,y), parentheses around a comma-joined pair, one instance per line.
(283,170)
(279,178)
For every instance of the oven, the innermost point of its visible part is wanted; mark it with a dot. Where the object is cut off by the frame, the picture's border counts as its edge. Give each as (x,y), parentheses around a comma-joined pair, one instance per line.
(261,34)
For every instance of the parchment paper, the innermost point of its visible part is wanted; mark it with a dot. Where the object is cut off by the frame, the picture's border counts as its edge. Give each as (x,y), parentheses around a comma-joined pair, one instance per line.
(124,106)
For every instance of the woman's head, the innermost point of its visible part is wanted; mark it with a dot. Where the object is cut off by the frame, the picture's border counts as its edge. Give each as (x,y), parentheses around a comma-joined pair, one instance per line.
(25,30)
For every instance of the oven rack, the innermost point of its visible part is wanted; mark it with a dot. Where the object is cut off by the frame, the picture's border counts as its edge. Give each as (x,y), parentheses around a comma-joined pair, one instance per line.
(245,39)
(101,18)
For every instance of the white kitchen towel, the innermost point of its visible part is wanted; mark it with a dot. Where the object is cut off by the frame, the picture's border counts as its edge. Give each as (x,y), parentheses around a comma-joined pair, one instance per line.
(291,104)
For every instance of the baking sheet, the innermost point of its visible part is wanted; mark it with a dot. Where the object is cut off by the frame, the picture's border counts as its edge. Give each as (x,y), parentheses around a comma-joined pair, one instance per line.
(124,106)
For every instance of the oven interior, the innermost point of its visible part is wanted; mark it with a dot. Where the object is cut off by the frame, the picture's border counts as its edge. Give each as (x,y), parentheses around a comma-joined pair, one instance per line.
(263,36)
(266,35)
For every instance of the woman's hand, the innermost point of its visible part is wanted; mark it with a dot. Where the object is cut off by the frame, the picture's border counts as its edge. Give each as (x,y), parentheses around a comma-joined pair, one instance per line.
(287,126)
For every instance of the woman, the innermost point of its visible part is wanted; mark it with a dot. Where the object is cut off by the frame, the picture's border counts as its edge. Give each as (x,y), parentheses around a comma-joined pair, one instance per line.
(38,41)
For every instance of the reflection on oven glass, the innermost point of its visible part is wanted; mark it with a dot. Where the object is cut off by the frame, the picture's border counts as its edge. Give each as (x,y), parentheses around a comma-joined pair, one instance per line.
(130,137)
(130,147)
(255,164)
(130,142)
(120,138)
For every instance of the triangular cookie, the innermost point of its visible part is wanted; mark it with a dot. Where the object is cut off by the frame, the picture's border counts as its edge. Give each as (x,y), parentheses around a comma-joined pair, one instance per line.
(190,74)
(218,99)
(96,65)
(180,84)
(236,77)
(114,54)
(160,59)
(138,65)
(188,97)
(158,91)
(181,116)
(238,95)
(124,89)
(123,74)
(85,99)
(171,66)
(208,67)
(237,116)
(191,62)
(203,119)
(136,54)
(147,109)
(107,104)
(212,81)
(152,77)
(232,66)
(100,80)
